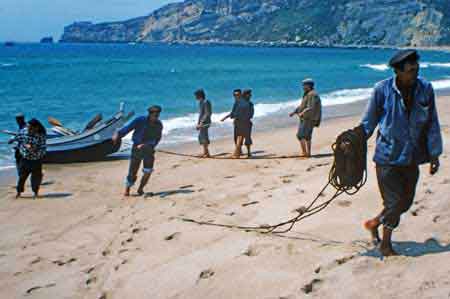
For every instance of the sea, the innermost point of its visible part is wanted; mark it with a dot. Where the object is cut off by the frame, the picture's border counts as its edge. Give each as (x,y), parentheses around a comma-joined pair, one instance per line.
(74,82)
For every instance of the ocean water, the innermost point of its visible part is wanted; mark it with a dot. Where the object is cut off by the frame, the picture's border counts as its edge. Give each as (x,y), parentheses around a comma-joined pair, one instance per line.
(73,82)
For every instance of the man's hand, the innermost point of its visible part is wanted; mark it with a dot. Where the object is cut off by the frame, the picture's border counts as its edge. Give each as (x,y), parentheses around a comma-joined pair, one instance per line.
(140,146)
(292,114)
(434,166)
(115,138)
(223,119)
(198,127)
(28,146)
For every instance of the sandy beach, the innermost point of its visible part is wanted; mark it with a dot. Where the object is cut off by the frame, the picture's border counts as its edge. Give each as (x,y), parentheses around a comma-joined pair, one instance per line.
(83,240)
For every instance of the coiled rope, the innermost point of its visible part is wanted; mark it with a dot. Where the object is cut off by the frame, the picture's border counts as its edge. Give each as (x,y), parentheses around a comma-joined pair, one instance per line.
(348,175)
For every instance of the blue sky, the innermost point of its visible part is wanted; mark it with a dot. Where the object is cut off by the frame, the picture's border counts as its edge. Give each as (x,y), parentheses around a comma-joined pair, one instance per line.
(30,20)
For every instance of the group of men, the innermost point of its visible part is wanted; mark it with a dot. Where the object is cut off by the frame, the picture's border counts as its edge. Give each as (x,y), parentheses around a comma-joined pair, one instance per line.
(242,114)
(402,107)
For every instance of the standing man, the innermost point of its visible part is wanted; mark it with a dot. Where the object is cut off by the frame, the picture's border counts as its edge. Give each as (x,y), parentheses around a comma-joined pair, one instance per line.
(204,121)
(146,136)
(243,121)
(237,93)
(404,109)
(310,114)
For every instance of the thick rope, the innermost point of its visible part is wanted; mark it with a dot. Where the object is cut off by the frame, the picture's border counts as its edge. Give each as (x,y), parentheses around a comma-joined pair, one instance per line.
(347,175)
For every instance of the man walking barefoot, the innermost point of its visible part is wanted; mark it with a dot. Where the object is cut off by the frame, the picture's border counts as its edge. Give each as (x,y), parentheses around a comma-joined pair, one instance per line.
(204,121)
(310,114)
(147,132)
(404,109)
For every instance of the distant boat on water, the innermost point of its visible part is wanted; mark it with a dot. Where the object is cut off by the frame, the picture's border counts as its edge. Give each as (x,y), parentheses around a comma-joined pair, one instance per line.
(47,40)
(9,44)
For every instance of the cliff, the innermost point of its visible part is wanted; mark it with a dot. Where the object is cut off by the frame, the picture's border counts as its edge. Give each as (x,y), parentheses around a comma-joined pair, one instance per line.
(298,22)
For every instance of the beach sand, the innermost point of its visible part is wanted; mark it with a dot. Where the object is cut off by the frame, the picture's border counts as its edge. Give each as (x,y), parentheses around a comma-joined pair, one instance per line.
(82,240)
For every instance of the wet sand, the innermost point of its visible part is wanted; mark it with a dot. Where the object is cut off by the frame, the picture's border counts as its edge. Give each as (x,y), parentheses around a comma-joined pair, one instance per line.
(83,240)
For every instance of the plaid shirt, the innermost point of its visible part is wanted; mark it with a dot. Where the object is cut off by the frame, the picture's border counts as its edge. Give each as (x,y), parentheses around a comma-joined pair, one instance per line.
(38,145)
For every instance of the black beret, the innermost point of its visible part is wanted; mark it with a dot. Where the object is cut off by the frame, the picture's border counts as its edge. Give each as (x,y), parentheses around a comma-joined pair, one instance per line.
(155,108)
(402,56)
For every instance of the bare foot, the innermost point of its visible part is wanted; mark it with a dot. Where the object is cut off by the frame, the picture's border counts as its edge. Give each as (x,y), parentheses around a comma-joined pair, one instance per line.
(388,251)
(18,195)
(127,192)
(372,226)
(140,192)
(36,195)
(249,155)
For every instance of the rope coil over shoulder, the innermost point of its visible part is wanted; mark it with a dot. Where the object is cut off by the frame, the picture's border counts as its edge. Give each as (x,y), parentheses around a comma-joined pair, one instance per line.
(347,175)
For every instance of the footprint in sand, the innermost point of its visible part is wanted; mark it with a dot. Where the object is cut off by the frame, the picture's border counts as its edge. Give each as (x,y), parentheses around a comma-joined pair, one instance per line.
(446,182)
(172,236)
(91,280)
(62,263)
(250,203)
(344,203)
(286,181)
(309,287)
(205,274)
(35,261)
(251,251)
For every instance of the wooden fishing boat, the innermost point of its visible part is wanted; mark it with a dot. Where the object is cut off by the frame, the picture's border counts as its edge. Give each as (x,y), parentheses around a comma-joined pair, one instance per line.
(94,143)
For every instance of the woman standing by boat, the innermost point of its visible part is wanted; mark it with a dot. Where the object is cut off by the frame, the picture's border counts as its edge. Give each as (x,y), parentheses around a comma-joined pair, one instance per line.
(31,143)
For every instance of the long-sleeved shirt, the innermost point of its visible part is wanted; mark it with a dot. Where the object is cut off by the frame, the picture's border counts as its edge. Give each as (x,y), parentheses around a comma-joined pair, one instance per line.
(145,131)
(311,107)
(244,111)
(403,138)
(31,146)
(205,112)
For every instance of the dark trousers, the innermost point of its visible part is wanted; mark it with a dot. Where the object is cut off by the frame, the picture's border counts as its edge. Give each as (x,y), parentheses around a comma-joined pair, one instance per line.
(27,167)
(144,156)
(18,157)
(398,187)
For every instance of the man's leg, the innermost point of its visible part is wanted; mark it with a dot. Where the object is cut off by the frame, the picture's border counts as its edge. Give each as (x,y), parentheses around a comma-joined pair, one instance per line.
(397,186)
(36,177)
(249,141)
(308,148)
(149,162)
(238,150)
(135,163)
(24,172)
(203,138)
(303,147)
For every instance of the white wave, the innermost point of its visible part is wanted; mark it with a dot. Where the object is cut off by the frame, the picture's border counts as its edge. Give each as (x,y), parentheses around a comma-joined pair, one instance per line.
(7,167)
(385,67)
(441,84)
(346,96)
(377,67)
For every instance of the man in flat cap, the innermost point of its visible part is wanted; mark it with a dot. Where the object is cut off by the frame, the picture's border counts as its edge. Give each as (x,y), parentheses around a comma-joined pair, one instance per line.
(404,110)
(147,132)
(204,121)
(310,114)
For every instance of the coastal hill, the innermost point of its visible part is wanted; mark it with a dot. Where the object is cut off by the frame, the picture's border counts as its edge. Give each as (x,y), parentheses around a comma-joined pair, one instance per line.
(295,22)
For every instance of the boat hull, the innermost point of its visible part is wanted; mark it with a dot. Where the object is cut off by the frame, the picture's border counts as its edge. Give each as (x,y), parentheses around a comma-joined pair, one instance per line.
(95,152)
(92,145)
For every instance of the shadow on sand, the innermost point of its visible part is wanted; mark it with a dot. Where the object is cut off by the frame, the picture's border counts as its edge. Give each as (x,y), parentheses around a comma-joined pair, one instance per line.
(48,196)
(413,249)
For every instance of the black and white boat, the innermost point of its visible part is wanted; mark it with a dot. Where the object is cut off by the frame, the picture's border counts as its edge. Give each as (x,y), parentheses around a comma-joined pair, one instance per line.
(94,143)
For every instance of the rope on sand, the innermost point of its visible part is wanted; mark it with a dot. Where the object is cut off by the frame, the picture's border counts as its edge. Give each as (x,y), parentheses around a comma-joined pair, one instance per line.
(347,175)
(221,157)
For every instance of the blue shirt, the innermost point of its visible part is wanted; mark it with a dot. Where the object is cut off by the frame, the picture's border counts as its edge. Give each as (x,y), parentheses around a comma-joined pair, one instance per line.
(403,138)
(145,132)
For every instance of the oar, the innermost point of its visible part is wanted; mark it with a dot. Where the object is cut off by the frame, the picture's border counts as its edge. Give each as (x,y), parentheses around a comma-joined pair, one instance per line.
(11,133)
(54,122)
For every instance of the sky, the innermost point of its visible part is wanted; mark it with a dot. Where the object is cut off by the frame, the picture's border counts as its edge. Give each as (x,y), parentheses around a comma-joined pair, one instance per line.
(30,20)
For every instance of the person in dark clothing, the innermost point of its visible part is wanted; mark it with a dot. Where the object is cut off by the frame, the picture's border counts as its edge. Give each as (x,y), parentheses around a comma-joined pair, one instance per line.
(310,114)
(32,147)
(22,124)
(237,94)
(147,133)
(243,121)
(204,121)
(404,110)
